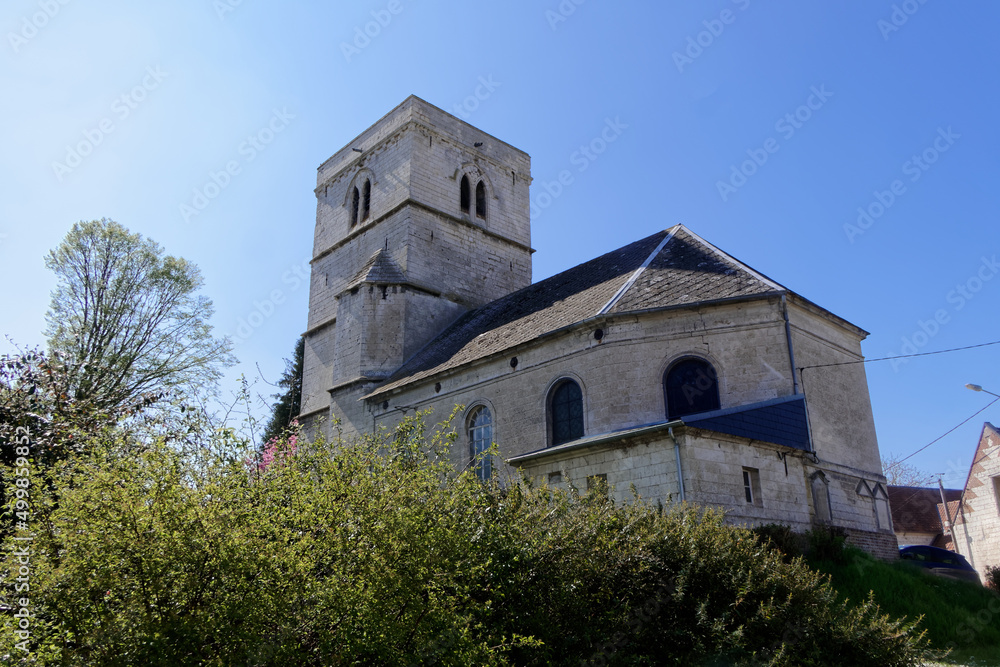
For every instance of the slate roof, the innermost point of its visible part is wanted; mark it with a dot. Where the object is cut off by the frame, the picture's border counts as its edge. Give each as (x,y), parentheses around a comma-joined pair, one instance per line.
(378,269)
(689,270)
(780,420)
(915,509)
(592,440)
(674,267)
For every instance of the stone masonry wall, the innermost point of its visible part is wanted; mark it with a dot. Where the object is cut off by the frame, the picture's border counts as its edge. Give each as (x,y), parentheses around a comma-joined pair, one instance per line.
(840,413)
(882,545)
(712,467)
(621,375)
(648,465)
(713,470)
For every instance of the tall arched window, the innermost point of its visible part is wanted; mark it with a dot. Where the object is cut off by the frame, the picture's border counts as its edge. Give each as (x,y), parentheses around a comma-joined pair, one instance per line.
(480,427)
(481,200)
(464,195)
(566,412)
(355,203)
(691,386)
(366,200)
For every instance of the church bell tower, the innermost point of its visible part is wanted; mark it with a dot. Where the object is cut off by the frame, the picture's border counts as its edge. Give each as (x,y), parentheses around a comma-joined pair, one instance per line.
(419,219)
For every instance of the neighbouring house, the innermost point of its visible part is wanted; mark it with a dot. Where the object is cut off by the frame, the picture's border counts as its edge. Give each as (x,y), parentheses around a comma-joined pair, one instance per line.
(976,514)
(915,516)
(666,367)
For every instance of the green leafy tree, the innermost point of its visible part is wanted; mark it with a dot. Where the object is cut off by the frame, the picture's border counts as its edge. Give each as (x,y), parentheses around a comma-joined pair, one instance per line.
(36,399)
(289,402)
(127,318)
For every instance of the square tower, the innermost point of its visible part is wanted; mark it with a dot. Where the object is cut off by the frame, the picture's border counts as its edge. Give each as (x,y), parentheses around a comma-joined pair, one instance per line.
(419,219)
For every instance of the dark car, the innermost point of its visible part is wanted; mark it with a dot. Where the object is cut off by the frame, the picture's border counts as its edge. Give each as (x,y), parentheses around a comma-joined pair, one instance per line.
(941,562)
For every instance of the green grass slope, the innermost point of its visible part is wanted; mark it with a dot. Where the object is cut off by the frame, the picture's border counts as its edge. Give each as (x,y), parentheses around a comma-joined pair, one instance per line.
(958,616)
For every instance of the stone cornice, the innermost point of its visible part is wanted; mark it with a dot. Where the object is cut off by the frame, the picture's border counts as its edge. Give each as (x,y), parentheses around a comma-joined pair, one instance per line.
(360,229)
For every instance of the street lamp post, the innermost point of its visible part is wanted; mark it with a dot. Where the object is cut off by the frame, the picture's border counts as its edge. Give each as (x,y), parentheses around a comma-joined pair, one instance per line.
(976,387)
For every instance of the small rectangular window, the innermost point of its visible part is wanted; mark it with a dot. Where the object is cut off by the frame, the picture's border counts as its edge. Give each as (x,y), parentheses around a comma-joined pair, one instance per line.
(751,486)
(555,477)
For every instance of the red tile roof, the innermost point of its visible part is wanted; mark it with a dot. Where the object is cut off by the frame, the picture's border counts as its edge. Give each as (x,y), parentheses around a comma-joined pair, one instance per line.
(953,512)
(915,509)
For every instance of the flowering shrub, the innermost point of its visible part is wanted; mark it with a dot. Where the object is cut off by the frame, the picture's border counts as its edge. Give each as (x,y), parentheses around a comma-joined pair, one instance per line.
(278,448)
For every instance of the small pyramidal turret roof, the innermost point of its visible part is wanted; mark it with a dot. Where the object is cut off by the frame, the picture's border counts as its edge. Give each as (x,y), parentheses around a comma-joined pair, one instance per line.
(378,269)
(674,267)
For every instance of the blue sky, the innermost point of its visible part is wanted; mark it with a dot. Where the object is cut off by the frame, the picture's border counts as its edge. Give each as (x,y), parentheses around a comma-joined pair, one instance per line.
(764,127)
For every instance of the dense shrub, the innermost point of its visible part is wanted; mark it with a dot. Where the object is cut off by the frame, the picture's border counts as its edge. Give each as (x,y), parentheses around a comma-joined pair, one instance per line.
(378,552)
(781,537)
(827,543)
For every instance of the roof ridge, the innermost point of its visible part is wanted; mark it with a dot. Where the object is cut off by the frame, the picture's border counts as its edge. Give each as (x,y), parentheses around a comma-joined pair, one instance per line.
(727,257)
(638,272)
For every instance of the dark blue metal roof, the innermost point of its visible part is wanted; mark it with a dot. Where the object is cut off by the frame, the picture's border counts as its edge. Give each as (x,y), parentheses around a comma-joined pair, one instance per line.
(780,420)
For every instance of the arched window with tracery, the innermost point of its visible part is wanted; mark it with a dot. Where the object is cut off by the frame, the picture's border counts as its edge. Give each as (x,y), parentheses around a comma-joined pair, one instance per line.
(480,429)
(690,386)
(566,412)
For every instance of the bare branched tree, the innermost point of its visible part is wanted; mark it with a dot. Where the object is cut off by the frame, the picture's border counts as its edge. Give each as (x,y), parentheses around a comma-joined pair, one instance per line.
(898,473)
(128,319)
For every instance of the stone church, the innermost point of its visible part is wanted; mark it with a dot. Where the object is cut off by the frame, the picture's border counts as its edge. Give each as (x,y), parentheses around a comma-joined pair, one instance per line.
(666,366)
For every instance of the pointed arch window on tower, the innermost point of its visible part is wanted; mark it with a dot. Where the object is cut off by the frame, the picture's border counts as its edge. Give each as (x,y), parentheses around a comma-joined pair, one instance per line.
(464,194)
(355,203)
(481,200)
(366,200)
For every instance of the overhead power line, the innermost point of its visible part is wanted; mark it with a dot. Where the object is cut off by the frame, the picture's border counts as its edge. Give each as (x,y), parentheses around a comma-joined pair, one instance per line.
(901,356)
(962,423)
